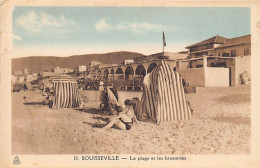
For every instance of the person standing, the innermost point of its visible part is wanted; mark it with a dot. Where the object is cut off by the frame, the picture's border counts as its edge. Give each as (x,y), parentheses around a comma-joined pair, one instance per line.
(25,87)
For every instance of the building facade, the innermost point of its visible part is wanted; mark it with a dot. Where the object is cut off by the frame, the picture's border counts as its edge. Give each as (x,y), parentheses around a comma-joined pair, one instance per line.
(25,71)
(57,70)
(239,46)
(205,47)
(18,73)
(94,63)
(234,55)
(128,62)
(82,68)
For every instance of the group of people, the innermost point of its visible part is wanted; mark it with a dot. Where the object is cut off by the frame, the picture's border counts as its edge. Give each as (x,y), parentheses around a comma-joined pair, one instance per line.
(46,99)
(123,117)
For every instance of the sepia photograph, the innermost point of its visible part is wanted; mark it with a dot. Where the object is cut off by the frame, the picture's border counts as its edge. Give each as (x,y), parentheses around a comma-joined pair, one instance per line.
(129,82)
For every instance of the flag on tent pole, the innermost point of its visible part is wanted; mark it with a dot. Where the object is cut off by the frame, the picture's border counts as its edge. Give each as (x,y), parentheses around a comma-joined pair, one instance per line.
(164,41)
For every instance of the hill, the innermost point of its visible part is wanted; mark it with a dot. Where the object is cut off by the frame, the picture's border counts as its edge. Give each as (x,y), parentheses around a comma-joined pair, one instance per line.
(36,64)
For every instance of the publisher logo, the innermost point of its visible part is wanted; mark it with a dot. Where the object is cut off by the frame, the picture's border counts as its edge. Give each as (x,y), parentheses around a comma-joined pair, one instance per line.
(16,160)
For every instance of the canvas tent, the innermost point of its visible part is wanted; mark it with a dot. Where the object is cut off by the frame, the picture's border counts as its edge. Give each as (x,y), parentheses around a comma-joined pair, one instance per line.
(66,93)
(163,96)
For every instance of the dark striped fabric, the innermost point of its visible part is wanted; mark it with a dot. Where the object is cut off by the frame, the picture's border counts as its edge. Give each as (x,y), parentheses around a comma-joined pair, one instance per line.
(164,98)
(66,93)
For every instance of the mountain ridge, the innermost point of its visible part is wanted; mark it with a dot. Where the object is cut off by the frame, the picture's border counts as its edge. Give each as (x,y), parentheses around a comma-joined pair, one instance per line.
(36,64)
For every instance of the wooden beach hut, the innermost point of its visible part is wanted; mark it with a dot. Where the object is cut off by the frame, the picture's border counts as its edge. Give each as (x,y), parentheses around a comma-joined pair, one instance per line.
(163,96)
(66,93)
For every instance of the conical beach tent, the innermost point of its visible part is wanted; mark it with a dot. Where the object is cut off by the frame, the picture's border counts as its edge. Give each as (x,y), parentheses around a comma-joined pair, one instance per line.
(66,94)
(163,96)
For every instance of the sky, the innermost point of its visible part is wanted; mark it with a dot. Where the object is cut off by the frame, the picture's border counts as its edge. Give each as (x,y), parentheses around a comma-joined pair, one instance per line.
(66,31)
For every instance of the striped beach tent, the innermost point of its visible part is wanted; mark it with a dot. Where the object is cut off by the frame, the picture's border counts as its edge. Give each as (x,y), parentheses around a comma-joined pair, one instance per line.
(66,93)
(163,96)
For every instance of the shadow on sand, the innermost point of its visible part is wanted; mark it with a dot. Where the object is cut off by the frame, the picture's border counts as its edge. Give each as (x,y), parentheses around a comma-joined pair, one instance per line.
(91,111)
(102,119)
(96,125)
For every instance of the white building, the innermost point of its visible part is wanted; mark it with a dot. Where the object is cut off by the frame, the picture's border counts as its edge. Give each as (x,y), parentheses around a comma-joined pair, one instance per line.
(34,74)
(21,79)
(46,74)
(29,78)
(25,71)
(82,68)
(14,79)
(104,65)
(17,73)
(57,70)
(129,62)
(94,63)
(66,70)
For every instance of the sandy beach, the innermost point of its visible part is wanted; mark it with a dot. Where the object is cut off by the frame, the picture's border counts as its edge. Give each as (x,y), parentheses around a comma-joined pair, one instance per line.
(221,125)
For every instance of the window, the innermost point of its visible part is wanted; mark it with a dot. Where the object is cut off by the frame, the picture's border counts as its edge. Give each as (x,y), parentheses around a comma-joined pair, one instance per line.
(198,55)
(247,51)
(233,53)
(221,64)
(199,65)
(212,64)
(225,54)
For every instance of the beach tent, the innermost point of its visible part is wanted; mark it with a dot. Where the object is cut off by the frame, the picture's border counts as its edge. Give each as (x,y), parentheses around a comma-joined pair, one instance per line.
(163,96)
(66,93)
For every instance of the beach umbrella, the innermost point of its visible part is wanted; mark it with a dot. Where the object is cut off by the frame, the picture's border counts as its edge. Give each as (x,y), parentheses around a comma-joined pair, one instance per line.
(111,97)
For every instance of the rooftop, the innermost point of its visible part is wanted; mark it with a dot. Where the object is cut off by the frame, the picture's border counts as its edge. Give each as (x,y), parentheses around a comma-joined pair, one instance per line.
(236,41)
(216,39)
(176,56)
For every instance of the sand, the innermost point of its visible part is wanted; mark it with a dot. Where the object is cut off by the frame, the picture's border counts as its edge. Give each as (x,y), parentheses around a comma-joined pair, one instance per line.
(221,125)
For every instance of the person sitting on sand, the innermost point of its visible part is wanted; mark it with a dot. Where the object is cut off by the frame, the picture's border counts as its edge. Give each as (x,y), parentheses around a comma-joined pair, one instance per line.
(136,104)
(83,102)
(125,118)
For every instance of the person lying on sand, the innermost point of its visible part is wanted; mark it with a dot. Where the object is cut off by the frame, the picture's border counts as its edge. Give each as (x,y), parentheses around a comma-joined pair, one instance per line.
(125,118)
(47,100)
(29,101)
